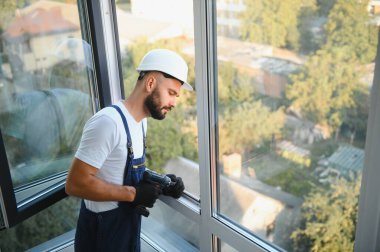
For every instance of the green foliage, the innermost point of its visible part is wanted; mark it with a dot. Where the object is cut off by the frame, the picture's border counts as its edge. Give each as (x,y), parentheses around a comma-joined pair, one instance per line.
(295,181)
(329,219)
(324,87)
(123,1)
(272,22)
(48,224)
(246,124)
(324,7)
(323,149)
(233,86)
(355,119)
(243,122)
(8,8)
(167,139)
(348,27)
(309,42)
(130,61)
(327,88)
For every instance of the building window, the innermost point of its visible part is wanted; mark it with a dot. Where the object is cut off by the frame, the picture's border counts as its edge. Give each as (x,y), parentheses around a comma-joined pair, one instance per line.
(292,109)
(47,93)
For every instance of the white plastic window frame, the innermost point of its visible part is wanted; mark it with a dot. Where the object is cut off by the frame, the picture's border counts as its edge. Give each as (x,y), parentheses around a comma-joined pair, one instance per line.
(212,225)
(367,237)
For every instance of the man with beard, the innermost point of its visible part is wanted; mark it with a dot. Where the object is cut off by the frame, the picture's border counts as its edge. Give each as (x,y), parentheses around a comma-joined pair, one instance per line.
(107,171)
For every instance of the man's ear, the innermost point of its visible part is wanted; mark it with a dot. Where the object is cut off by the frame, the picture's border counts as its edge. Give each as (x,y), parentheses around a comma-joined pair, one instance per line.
(150,83)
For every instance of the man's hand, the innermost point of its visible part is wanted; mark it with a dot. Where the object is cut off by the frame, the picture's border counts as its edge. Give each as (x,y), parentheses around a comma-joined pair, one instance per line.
(147,193)
(175,190)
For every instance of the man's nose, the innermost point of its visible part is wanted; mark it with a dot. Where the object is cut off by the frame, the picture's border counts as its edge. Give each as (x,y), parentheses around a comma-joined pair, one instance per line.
(173,102)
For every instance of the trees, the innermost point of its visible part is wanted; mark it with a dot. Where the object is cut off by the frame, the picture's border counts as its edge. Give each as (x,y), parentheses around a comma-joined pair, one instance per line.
(7,12)
(310,40)
(324,7)
(272,22)
(329,218)
(246,124)
(355,119)
(243,121)
(167,139)
(349,28)
(233,86)
(324,86)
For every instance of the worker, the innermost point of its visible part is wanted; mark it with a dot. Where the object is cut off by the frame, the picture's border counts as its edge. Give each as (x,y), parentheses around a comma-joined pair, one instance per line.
(108,167)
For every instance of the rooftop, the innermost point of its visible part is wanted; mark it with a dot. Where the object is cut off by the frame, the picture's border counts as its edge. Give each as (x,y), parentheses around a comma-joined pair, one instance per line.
(347,158)
(39,21)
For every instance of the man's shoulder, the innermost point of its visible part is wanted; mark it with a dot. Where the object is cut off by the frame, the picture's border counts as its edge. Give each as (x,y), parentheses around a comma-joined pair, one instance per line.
(105,117)
(112,114)
(107,112)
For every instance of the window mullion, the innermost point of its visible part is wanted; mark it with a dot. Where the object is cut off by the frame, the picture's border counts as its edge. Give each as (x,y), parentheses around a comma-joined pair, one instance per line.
(367,230)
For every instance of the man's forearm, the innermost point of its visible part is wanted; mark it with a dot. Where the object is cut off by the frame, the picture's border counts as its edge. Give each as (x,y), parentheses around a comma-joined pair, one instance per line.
(82,182)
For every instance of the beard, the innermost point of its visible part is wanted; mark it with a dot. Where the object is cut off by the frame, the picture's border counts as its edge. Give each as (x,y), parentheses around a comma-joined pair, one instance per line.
(152,103)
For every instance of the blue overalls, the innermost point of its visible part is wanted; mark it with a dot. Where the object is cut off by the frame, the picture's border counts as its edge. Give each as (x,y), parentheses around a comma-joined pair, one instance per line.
(117,229)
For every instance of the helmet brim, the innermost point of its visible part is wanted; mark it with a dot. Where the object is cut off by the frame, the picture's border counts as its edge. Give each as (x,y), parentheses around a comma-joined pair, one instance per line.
(187,86)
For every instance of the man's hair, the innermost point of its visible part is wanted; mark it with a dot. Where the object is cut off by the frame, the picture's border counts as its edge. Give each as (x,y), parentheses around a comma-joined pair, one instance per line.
(143,73)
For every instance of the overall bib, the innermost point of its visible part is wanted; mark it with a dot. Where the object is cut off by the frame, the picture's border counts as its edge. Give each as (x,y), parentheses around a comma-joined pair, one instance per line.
(117,229)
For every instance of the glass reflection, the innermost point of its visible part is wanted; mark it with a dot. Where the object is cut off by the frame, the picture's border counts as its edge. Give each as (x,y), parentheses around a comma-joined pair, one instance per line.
(40,228)
(46,76)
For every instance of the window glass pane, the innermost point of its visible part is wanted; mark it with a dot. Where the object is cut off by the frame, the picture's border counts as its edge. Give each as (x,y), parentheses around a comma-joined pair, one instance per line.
(225,247)
(170,229)
(144,25)
(293,99)
(47,224)
(46,80)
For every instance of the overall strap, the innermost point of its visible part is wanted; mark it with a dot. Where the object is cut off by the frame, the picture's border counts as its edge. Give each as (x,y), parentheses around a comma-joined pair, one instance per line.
(129,145)
(129,139)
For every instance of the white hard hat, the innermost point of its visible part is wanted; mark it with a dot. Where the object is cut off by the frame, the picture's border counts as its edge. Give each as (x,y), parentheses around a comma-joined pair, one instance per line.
(168,62)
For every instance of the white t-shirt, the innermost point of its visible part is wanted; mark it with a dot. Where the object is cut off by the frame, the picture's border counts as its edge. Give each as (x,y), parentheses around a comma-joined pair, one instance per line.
(103,146)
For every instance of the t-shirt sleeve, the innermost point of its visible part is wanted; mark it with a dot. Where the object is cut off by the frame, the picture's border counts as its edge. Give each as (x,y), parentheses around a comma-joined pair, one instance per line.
(98,140)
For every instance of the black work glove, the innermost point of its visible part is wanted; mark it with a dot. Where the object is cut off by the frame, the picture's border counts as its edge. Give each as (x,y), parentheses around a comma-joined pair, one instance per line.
(175,190)
(147,193)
